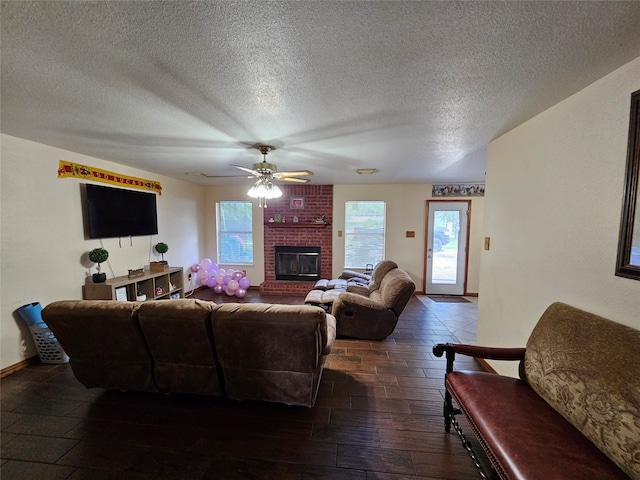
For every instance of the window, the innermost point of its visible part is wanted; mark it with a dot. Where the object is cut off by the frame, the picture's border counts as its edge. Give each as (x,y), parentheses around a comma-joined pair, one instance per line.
(364,233)
(235,233)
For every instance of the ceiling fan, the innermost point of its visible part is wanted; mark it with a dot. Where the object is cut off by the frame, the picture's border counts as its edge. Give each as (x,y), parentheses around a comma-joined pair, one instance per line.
(268,171)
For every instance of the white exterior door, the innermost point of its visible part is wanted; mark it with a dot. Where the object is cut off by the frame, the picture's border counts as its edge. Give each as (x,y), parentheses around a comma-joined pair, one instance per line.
(447,237)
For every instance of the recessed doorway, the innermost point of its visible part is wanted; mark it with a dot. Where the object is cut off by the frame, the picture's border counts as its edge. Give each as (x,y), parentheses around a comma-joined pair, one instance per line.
(446,249)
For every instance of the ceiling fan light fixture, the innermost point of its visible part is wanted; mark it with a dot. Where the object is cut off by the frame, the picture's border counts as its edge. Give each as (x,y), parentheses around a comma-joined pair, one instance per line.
(366,171)
(264,190)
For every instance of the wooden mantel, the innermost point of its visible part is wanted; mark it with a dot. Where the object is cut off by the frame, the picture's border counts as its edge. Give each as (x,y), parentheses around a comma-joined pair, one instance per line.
(295,225)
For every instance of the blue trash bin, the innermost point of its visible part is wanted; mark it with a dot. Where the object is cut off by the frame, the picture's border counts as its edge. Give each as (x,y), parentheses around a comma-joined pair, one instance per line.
(31,313)
(47,344)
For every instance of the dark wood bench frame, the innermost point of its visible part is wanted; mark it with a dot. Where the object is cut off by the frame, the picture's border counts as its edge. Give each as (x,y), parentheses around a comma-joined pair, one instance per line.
(449,411)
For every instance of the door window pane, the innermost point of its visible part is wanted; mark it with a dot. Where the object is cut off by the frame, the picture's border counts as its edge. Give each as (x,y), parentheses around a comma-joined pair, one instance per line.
(445,247)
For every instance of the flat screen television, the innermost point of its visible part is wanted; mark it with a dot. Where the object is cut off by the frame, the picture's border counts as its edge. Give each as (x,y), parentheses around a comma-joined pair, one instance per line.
(116,212)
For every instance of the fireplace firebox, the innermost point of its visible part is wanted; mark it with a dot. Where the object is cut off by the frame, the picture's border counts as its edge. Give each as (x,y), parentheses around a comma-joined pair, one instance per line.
(298,263)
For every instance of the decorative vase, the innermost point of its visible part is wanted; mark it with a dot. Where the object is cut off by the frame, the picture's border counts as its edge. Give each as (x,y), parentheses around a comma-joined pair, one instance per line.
(99,277)
(141,298)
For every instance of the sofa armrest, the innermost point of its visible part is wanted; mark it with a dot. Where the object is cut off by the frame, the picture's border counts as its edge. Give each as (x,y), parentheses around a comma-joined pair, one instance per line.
(358,289)
(331,334)
(488,353)
(475,351)
(354,300)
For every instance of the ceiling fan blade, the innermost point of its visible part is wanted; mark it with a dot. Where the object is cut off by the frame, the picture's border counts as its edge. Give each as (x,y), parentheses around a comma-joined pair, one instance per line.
(225,176)
(252,172)
(293,179)
(296,173)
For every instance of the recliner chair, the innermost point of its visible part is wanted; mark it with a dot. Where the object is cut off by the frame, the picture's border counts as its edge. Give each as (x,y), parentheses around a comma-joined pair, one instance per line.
(371,312)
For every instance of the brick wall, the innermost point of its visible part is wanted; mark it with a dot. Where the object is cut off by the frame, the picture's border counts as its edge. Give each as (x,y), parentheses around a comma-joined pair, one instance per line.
(318,200)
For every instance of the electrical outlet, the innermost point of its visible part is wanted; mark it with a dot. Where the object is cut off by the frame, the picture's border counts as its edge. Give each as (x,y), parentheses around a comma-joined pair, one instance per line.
(189,276)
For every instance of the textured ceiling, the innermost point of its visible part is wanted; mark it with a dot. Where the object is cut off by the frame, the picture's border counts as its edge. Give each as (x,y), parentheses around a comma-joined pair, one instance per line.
(414,89)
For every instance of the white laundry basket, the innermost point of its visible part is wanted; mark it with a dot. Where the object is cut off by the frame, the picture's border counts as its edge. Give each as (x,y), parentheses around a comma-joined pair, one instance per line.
(46,342)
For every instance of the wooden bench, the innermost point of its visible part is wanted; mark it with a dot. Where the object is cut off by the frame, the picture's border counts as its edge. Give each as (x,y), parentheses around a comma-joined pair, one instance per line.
(573,414)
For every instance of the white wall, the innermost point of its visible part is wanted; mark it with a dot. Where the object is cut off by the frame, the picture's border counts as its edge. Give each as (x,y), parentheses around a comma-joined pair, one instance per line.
(553,202)
(230,193)
(43,249)
(42,236)
(406,210)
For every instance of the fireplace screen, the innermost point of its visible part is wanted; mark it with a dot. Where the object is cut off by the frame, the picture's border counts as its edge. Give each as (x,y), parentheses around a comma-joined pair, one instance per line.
(298,263)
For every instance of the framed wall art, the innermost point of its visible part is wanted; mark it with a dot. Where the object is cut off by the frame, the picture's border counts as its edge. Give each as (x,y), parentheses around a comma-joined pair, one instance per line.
(296,203)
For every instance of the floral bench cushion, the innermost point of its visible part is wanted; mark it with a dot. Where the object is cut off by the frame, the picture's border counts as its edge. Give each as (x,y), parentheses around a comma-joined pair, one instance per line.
(588,369)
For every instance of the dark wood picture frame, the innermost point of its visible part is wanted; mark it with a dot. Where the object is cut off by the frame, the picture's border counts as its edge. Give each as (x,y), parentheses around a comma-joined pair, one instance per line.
(630,208)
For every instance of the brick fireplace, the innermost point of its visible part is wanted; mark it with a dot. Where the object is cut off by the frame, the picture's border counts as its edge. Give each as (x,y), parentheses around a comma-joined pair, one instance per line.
(318,200)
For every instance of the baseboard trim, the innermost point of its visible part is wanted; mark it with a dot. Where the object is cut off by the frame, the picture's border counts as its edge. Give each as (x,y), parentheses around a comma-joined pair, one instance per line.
(19,366)
(420,292)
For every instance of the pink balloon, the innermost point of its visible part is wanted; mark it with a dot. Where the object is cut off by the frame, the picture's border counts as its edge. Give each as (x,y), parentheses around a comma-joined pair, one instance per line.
(233,285)
(195,268)
(237,275)
(229,292)
(206,263)
(220,278)
(244,283)
(210,282)
(217,289)
(222,271)
(202,275)
(241,293)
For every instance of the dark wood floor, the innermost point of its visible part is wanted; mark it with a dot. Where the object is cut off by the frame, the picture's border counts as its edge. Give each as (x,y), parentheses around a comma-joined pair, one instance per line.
(377,416)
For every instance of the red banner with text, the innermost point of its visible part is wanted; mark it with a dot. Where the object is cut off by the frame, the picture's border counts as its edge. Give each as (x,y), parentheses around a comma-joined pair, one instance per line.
(70,169)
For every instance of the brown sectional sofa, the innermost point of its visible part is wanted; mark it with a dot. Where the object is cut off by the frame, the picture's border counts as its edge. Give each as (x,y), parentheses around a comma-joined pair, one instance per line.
(573,414)
(251,351)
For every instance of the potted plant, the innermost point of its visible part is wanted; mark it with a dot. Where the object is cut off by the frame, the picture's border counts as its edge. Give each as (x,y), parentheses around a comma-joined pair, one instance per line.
(162,248)
(140,295)
(161,266)
(99,255)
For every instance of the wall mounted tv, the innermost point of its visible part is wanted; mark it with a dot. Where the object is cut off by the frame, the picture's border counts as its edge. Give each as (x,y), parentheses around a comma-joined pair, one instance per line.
(116,212)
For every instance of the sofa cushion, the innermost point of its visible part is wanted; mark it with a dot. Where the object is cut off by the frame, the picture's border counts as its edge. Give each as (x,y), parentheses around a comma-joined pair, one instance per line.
(587,368)
(272,352)
(179,336)
(322,297)
(104,342)
(352,275)
(337,283)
